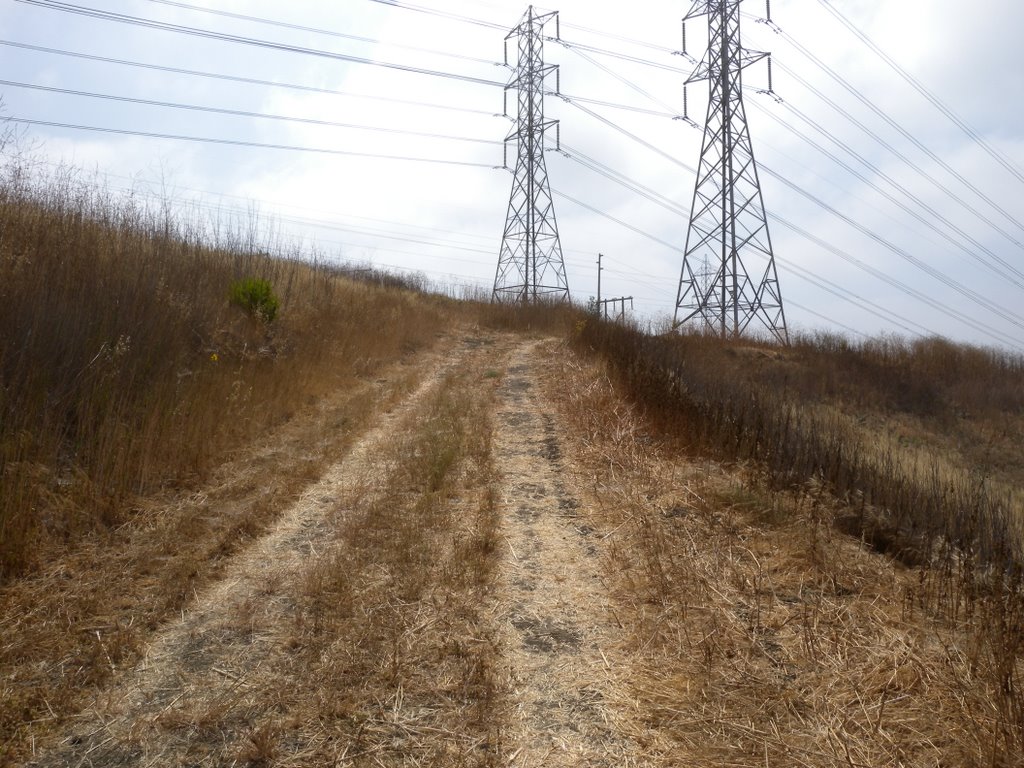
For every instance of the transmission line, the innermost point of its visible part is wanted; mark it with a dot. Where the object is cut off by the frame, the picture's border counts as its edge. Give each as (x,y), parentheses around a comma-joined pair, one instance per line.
(914,83)
(909,136)
(976,325)
(1016,278)
(624,181)
(828,319)
(239,79)
(241,143)
(904,159)
(312,89)
(879,311)
(625,81)
(938,275)
(249,41)
(870,307)
(940,306)
(243,113)
(580,47)
(946,280)
(320,31)
(442,14)
(806,274)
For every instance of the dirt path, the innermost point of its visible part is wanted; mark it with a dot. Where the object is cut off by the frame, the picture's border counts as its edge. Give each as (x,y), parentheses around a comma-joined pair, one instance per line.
(559,626)
(507,567)
(211,684)
(190,701)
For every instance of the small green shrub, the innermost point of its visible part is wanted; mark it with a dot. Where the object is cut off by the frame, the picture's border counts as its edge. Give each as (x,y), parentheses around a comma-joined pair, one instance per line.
(256,297)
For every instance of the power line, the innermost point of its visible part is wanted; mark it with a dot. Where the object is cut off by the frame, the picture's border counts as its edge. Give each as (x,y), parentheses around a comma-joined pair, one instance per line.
(903,158)
(879,311)
(430,243)
(388,3)
(622,38)
(872,308)
(600,103)
(943,278)
(238,79)
(625,81)
(240,143)
(858,301)
(250,41)
(242,113)
(903,131)
(578,47)
(935,273)
(493,25)
(806,274)
(320,31)
(1012,275)
(633,137)
(560,40)
(312,89)
(326,223)
(888,119)
(441,14)
(619,178)
(620,222)
(828,319)
(995,154)
(901,286)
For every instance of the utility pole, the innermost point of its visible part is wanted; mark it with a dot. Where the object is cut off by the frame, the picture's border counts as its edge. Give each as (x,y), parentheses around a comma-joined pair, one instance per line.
(728,225)
(530,264)
(599,268)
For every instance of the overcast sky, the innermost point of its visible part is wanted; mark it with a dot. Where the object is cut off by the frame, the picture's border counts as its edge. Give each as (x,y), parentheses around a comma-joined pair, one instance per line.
(446,219)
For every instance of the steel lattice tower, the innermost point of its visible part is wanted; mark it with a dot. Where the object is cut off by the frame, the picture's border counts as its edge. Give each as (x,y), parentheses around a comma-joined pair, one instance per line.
(530,264)
(728,227)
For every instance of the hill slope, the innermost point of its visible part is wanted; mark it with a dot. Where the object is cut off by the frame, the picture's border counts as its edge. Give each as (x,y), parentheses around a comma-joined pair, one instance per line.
(386,528)
(503,564)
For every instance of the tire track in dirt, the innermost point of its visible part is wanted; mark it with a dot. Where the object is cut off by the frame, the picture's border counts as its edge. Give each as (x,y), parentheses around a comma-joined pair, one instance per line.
(559,634)
(190,701)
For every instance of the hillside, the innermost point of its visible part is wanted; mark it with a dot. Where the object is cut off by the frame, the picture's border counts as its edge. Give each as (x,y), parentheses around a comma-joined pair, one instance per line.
(387,528)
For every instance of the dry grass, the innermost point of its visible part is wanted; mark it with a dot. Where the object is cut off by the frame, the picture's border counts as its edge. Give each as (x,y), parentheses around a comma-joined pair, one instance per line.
(392,662)
(68,629)
(125,369)
(761,633)
(769,406)
(149,430)
(539,319)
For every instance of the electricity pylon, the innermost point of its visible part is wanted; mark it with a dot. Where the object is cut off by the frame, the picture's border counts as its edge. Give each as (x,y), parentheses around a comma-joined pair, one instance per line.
(530,264)
(728,227)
